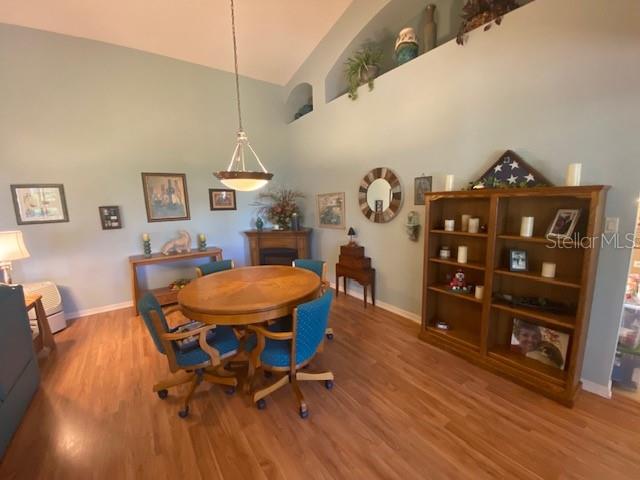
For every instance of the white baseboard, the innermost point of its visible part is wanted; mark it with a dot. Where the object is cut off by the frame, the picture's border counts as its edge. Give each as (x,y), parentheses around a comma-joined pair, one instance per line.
(387,306)
(598,389)
(92,311)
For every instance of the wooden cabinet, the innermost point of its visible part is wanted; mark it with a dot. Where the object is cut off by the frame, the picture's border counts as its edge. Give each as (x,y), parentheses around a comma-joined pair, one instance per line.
(481,329)
(353,264)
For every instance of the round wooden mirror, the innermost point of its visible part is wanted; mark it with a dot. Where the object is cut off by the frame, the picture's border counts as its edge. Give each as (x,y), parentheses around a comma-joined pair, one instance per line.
(380,195)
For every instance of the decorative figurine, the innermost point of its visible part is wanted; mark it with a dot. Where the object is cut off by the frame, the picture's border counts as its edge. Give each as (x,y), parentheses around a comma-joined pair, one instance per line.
(202,242)
(413,225)
(458,282)
(406,46)
(259,224)
(178,245)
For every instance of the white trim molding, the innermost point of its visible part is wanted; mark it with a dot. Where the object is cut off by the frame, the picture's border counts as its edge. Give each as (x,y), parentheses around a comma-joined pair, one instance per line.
(596,388)
(92,311)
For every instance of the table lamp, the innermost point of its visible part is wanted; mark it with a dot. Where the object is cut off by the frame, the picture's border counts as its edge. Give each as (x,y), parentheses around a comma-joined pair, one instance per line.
(351,233)
(11,248)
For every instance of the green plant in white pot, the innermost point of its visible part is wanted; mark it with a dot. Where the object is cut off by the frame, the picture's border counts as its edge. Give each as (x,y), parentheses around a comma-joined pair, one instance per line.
(362,67)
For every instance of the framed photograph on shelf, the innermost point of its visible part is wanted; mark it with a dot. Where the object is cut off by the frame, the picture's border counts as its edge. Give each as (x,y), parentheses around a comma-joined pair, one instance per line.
(110,217)
(331,212)
(165,196)
(518,260)
(222,199)
(421,185)
(540,343)
(39,203)
(564,223)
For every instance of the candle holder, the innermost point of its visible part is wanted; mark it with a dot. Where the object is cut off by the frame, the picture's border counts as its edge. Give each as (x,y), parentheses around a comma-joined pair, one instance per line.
(202,244)
(147,248)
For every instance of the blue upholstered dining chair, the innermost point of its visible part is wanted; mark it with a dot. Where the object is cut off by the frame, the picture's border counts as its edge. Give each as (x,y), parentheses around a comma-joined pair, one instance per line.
(319,268)
(193,349)
(274,350)
(213,267)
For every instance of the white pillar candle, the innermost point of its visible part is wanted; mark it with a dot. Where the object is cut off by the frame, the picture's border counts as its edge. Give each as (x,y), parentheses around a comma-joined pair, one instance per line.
(479,292)
(548,269)
(573,175)
(448,183)
(474,225)
(145,237)
(526,227)
(462,254)
(449,225)
(465,222)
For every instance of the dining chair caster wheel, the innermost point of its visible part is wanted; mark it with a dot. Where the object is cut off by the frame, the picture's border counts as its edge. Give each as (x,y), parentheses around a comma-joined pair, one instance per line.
(184,413)
(304,413)
(162,394)
(329,336)
(230,391)
(261,404)
(268,374)
(328,384)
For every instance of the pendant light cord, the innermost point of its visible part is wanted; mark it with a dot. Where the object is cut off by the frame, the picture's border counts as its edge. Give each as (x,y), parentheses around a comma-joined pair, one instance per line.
(235,59)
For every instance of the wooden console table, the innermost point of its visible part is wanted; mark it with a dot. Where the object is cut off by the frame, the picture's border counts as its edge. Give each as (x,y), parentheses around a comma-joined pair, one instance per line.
(45,337)
(165,295)
(353,264)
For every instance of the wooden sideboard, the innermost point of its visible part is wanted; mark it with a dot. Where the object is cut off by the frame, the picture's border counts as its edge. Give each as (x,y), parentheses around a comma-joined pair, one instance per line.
(165,295)
(298,240)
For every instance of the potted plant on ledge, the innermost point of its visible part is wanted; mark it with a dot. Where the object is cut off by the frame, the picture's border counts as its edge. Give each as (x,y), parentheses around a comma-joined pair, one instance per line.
(362,67)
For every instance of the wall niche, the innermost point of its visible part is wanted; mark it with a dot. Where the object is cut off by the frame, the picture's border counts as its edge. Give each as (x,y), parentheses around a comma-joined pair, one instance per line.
(300,101)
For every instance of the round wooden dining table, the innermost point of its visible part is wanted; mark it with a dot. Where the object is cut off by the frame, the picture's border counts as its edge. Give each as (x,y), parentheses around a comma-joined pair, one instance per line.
(247,295)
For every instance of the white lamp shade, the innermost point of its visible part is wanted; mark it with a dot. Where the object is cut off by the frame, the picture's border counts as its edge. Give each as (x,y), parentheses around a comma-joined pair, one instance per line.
(12,246)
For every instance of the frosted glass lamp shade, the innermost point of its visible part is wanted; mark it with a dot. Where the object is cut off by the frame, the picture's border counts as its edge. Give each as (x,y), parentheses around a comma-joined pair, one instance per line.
(12,246)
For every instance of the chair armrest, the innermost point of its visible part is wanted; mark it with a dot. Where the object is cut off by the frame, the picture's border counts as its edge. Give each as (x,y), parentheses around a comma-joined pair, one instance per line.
(272,335)
(213,353)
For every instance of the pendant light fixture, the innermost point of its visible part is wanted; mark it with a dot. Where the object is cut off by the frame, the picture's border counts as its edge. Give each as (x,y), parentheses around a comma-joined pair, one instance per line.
(236,175)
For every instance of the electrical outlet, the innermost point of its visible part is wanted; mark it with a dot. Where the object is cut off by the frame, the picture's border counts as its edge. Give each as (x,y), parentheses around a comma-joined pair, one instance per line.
(611,225)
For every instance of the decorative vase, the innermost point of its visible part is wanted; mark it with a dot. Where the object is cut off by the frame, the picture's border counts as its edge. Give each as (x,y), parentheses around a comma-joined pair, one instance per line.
(430,28)
(259,224)
(406,46)
(147,248)
(295,222)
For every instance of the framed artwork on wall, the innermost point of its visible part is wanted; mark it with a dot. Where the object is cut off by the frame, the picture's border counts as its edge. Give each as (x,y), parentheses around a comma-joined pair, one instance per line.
(421,185)
(518,260)
(331,212)
(39,203)
(222,199)
(165,196)
(110,217)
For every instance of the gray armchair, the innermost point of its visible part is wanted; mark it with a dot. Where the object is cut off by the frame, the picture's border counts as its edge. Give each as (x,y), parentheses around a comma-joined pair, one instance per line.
(19,373)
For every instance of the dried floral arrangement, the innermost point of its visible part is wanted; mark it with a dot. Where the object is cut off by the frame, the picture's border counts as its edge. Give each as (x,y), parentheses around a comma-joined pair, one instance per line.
(278,205)
(479,12)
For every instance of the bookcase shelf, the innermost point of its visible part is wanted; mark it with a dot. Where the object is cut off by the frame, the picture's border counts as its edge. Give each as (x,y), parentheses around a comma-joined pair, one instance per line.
(481,330)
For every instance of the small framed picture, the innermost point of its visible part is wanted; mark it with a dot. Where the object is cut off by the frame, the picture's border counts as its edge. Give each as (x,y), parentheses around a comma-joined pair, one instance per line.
(39,203)
(379,206)
(165,196)
(421,185)
(540,343)
(518,261)
(331,212)
(110,217)
(222,199)
(564,223)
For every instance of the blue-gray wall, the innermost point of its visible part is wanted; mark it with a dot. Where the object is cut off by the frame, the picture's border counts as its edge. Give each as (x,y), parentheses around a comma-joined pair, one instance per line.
(93,116)
(558,82)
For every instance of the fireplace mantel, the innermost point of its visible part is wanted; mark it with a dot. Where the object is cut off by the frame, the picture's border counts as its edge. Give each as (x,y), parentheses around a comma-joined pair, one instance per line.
(300,240)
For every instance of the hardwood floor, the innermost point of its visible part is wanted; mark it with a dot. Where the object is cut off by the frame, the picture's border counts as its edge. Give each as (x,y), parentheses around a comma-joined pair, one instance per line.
(399,409)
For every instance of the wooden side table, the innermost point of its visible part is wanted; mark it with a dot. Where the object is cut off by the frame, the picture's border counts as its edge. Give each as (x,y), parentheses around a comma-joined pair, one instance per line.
(165,295)
(45,337)
(353,264)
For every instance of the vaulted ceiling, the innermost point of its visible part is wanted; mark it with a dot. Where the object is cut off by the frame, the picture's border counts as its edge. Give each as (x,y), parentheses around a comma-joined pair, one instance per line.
(274,36)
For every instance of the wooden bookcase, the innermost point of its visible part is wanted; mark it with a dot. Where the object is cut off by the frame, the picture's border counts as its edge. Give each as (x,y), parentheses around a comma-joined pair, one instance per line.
(480,330)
